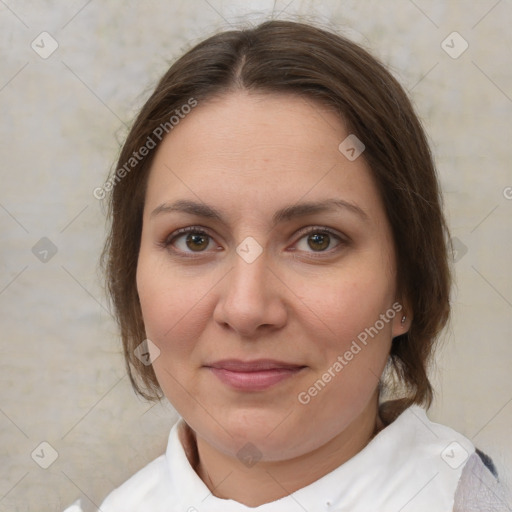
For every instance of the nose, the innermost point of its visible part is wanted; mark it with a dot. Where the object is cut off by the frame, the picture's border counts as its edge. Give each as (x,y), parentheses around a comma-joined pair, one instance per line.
(252,298)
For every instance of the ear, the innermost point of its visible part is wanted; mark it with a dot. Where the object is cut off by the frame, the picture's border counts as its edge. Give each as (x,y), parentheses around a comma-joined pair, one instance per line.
(403,317)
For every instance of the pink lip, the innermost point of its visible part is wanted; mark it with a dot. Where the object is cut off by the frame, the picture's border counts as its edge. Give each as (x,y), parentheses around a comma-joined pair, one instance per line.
(252,375)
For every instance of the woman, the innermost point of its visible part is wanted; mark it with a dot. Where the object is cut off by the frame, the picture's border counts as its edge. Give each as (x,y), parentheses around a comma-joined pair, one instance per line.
(279,269)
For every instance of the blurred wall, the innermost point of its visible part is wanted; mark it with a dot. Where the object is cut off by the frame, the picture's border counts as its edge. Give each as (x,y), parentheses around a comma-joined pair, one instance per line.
(73,75)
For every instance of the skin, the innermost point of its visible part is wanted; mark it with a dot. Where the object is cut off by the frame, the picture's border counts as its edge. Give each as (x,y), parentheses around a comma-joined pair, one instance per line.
(301,302)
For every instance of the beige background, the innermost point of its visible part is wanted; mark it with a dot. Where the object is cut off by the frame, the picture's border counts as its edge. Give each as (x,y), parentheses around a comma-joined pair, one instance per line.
(62,376)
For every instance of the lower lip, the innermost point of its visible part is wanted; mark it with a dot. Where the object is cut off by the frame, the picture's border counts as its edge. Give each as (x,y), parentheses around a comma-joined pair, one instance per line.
(253,381)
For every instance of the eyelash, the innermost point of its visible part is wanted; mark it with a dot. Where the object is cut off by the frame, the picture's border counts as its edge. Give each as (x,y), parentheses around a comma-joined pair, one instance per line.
(169,240)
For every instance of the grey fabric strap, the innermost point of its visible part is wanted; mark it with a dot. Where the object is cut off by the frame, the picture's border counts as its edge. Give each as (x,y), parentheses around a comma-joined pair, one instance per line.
(479,490)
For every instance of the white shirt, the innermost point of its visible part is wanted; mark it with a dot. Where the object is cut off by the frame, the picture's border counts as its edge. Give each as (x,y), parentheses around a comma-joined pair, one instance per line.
(412,465)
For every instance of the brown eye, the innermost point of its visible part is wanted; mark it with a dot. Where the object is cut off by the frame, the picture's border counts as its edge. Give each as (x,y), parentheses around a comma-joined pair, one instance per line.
(197,241)
(319,241)
(189,240)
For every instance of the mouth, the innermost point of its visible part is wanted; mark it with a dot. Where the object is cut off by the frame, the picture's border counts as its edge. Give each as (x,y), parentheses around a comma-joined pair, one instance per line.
(256,375)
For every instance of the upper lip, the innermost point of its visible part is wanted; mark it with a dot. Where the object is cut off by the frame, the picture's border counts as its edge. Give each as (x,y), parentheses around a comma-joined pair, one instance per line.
(237,365)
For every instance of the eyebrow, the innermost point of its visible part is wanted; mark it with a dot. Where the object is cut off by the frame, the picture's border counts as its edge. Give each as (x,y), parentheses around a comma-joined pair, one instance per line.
(284,214)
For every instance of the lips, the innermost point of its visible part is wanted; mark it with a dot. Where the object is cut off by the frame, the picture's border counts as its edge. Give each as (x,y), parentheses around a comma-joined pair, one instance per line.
(235,365)
(254,375)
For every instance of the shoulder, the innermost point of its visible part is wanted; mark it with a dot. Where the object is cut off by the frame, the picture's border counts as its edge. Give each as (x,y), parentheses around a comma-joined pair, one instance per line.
(136,493)
(479,487)
(75,507)
(157,486)
(140,490)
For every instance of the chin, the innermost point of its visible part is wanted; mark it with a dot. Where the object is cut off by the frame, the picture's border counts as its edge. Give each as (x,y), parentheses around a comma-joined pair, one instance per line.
(266,429)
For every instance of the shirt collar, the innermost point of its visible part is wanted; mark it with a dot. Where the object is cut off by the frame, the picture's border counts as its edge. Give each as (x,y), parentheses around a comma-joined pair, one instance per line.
(411,465)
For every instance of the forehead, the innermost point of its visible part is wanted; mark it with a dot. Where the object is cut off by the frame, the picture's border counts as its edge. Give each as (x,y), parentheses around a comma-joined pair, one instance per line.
(249,150)
(241,123)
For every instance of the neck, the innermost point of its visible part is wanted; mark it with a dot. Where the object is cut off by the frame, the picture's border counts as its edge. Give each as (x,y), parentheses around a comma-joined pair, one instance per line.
(268,481)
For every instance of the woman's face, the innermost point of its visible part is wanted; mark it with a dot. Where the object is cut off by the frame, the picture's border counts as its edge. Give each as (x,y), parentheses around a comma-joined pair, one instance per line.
(274,312)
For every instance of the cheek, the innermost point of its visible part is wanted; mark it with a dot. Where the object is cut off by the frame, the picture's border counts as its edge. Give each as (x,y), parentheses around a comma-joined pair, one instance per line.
(174,317)
(350,299)
(351,355)
(167,304)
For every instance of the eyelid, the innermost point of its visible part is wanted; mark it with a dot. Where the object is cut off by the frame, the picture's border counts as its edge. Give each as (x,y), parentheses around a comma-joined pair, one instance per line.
(187,229)
(168,240)
(322,229)
(343,240)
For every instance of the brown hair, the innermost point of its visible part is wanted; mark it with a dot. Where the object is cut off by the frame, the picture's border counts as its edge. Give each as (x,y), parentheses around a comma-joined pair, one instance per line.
(295,58)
